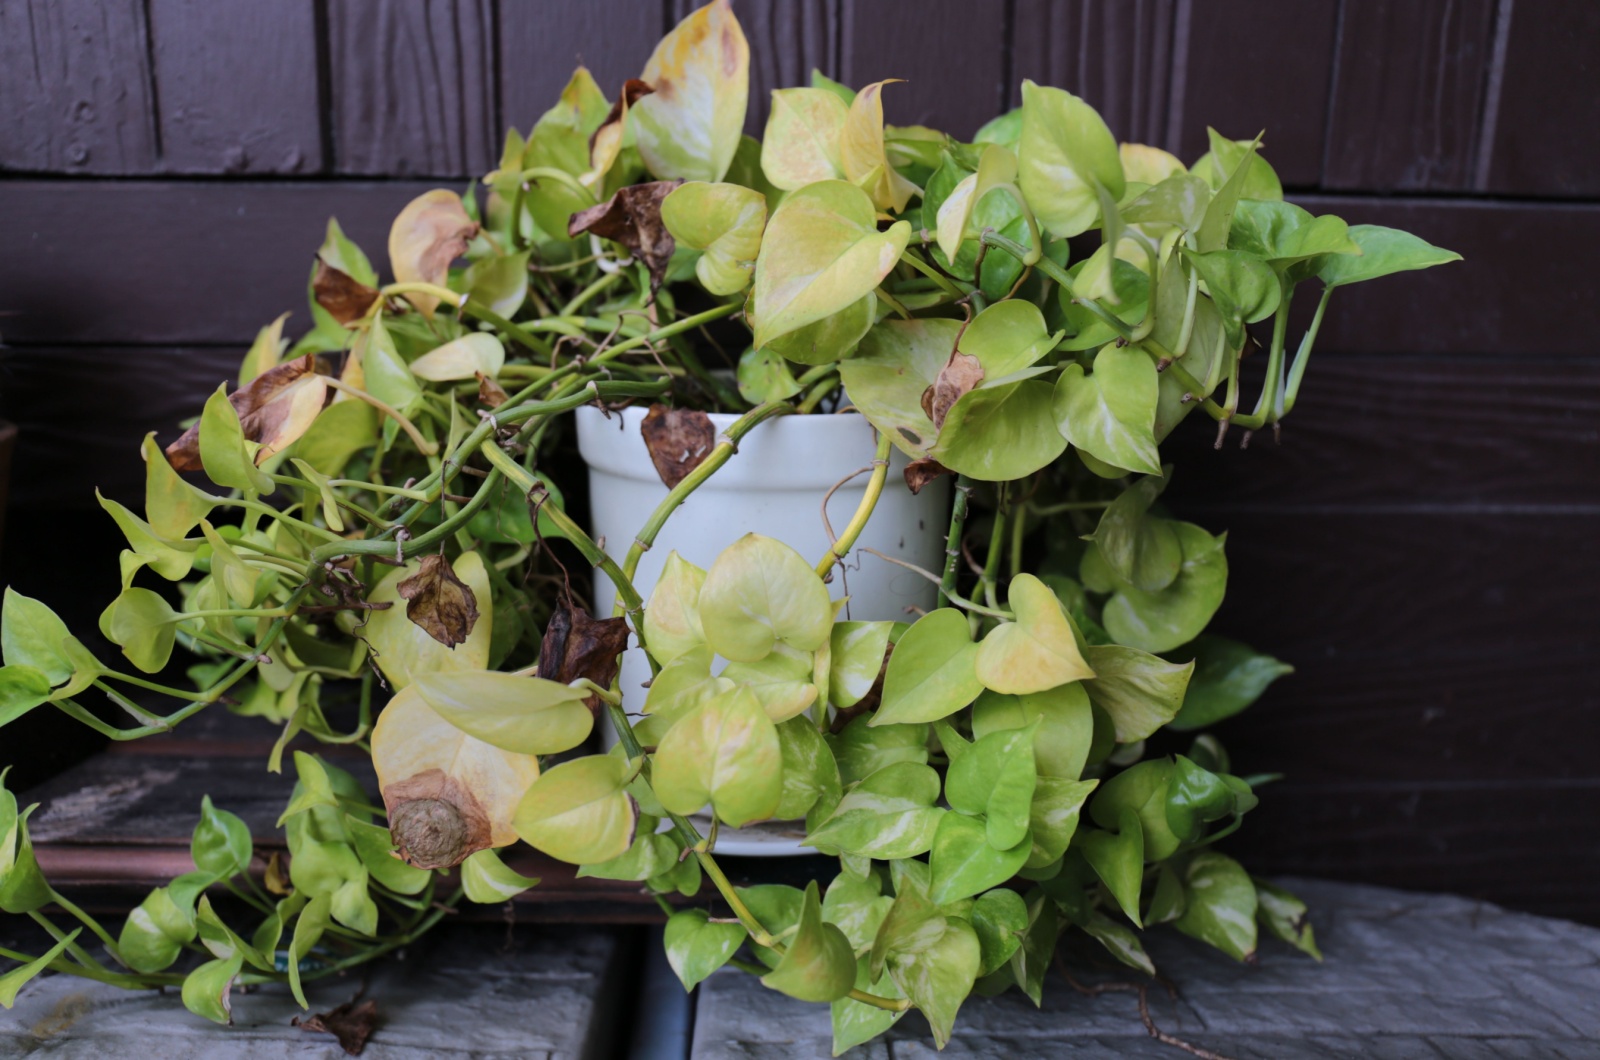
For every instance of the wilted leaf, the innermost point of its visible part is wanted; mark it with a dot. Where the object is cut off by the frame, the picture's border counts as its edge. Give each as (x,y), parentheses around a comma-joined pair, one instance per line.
(403,649)
(862,155)
(352,1023)
(896,363)
(961,373)
(689,127)
(439,602)
(606,143)
(274,410)
(678,440)
(632,217)
(919,473)
(490,393)
(576,645)
(431,232)
(344,297)
(448,794)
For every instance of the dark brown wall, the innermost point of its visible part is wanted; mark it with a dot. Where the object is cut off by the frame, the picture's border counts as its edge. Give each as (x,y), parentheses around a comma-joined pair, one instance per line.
(1421,546)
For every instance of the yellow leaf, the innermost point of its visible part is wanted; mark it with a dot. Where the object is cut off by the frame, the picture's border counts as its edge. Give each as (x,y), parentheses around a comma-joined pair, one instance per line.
(861,151)
(801,142)
(402,649)
(1036,652)
(688,128)
(1148,165)
(430,233)
(466,358)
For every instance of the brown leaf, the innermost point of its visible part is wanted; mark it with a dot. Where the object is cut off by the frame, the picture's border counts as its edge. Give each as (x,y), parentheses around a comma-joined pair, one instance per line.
(431,232)
(606,143)
(678,440)
(351,1023)
(275,409)
(439,602)
(491,393)
(921,472)
(632,217)
(436,822)
(576,645)
(960,374)
(345,298)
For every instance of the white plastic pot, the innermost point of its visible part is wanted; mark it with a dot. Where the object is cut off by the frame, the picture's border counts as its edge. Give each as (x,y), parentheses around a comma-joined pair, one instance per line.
(774,486)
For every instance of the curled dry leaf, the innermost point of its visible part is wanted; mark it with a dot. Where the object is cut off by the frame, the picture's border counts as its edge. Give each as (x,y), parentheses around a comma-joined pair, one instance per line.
(439,602)
(448,795)
(606,143)
(275,409)
(431,232)
(490,393)
(632,217)
(351,1023)
(577,645)
(678,440)
(345,298)
(961,373)
(921,472)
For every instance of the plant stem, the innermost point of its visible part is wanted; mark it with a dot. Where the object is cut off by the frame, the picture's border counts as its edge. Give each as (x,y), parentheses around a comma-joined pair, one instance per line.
(948,593)
(952,544)
(500,323)
(1303,355)
(88,921)
(423,445)
(588,293)
(869,501)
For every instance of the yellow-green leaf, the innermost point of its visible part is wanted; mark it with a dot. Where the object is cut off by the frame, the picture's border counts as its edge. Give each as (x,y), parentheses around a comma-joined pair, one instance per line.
(862,154)
(579,812)
(1065,150)
(525,715)
(1036,652)
(801,142)
(689,127)
(724,222)
(727,753)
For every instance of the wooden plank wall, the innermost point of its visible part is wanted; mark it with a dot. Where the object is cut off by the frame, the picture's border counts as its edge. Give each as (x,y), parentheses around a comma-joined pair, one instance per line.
(1421,545)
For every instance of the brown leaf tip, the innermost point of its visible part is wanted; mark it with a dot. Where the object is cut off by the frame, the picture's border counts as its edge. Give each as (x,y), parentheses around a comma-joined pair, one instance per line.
(438,601)
(344,297)
(921,472)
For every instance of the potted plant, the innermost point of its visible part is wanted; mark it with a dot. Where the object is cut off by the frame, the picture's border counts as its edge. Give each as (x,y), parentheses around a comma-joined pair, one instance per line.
(381,505)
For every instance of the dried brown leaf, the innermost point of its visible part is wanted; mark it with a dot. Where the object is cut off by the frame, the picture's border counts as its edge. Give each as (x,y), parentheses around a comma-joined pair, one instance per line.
(632,217)
(921,472)
(439,602)
(576,645)
(351,1023)
(606,143)
(961,373)
(345,298)
(678,440)
(431,232)
(490,393)
(275,409)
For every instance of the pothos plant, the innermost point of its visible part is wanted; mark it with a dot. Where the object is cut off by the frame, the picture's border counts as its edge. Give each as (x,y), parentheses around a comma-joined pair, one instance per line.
(378,508)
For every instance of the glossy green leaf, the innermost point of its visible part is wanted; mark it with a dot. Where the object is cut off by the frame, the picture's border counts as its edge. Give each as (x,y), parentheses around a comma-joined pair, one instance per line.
(723,222)
(1141,789)
(672,616)
(1110,412)
(229,572)
(1164,620)
(1118,859)
(1180,199)
(1228,677)
(1285,917)
(1238,175)
(858,651)
(682,685)
(15,979)
(206,990)
(761,592)
(862,748)
(578,811)
(1242,286)
(388,378)
(1120,941)
(1053,817)
(1384,251)
(155,932)
(340,431)
(764,375)
(652,854)
(1195,796)
(726,753)
(488,881)
(1000,918)
(995,777)
(1282,233)
(221,940)
(932,672)
(1141,692)
(526,715)
(22,886)
(1000,433)
(801,143)
(696,947)
(1065,725)
(221,842)
(776,907)
(809,770)
(963,863)
(896,362)
(1222,905)
(1140,549)
(1033,959)
(1037,651)
(822,252)
(855,1023)
(858,907)
(818,963)
(1063,151)
(890,814)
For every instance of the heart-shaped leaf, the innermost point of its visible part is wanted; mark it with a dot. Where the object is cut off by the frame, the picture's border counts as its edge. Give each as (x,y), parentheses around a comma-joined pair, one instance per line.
(1037,651)
(1228,677)
(727,753)
(933,671)
(1140,549)
(465,358)
(1053,817)
(819,963)
(761,592)
(1066,725)
(858,908)
(1118,859)
(689,127)
(525,715)
(15,979)
(888,815)
(1139,691)
(897,361)
(994,776)
(782,682)
(1282,233)
(1110,413)
(963,863)
(801,142)
(1141,789)
(1148,165)
(809,771)
(830,339)
(1285,917)
(1064,150)
(672,617)
(723,222)
(579,811)
(1222,905)
(862,154)
(1384,252)
(1163,620)
(696,947)
(940,977)
(862,749)
(1000,432)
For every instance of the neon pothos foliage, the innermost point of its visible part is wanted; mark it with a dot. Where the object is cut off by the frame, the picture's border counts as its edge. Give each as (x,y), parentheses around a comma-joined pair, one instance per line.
(373,513)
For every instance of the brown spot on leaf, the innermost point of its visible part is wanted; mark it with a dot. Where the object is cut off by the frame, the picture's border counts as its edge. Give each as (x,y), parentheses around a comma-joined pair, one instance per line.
(632,217)
(577,645)
(442,604)
(491,393)
(921,472)
(678,440)
(274,409)
(432,231)
(960,374)
(351,1023)
(435,822)
(345,298)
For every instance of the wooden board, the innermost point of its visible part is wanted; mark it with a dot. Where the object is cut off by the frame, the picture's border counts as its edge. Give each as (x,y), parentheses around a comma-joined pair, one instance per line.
(876,46)
(1546,132)
(541,43)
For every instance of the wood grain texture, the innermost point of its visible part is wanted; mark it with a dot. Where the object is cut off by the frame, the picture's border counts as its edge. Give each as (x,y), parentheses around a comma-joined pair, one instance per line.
(413,87)
(236,86)
(1441,646)
(75,78)
(1400,432)
(540,44)
(1247,65)
(1547,129)
(1116,55)
(880,42)
(788,39)
(1408,95)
